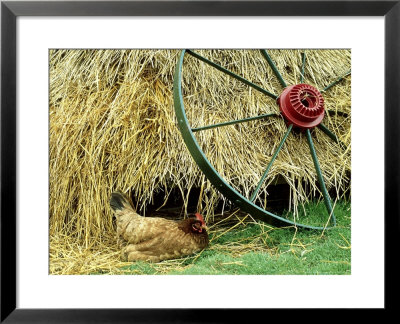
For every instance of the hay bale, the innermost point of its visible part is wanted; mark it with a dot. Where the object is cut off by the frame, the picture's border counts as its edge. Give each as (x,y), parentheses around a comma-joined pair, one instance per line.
(113,126)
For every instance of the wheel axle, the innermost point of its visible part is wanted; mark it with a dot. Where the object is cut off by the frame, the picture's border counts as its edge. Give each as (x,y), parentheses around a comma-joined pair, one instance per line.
(302,105)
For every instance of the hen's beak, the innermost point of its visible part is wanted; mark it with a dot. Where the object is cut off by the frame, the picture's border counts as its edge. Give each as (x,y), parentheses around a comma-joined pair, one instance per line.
(204,226)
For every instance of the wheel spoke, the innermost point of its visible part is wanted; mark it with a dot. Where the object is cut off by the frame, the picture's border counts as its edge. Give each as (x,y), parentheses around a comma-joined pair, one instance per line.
(320,177)
(336,81)
(253,196)
(233,122)
(237,77)
(303,67)
(323,128)
(274,68)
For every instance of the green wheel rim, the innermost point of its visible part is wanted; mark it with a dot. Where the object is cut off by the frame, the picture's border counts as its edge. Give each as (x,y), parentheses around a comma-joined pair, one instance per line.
(212,174)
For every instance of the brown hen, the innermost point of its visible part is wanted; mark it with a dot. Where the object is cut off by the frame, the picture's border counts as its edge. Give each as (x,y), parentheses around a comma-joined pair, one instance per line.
(153,238)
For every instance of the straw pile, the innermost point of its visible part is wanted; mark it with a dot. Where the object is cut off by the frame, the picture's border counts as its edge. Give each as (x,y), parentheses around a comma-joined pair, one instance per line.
(113,126)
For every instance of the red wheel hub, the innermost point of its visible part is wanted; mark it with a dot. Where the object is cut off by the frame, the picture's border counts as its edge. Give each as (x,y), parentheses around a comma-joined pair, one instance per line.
(302,105)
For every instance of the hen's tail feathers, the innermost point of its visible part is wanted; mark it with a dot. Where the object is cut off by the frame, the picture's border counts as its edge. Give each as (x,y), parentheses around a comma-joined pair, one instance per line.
(120,202)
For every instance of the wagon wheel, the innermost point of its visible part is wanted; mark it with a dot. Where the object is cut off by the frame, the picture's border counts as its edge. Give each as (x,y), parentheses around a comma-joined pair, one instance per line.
(301,105)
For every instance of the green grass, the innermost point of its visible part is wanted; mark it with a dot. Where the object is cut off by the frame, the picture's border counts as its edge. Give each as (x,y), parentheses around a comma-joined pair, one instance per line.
(257,248)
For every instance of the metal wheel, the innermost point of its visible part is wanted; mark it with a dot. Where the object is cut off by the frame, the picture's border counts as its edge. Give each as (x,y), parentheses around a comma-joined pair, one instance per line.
(301,106)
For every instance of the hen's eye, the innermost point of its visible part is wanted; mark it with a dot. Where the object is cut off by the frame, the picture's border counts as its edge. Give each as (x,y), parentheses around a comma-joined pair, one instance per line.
(196,227)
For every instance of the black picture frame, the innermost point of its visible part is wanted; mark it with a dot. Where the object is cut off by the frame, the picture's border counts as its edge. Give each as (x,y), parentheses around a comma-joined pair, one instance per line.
(10,10)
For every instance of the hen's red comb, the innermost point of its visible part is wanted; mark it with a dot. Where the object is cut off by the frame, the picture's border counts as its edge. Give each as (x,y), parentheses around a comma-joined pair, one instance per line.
(199,217)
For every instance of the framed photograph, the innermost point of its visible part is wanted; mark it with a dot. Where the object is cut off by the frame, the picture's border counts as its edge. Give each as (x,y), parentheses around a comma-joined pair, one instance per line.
(97,62)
